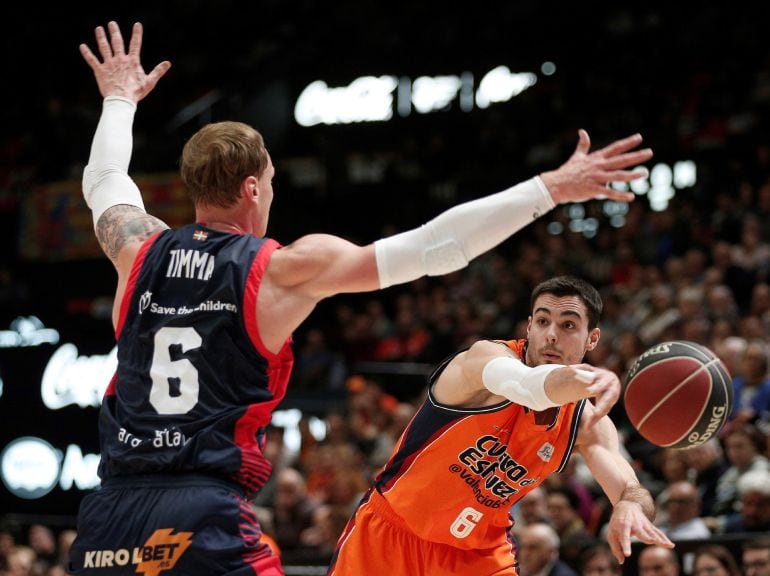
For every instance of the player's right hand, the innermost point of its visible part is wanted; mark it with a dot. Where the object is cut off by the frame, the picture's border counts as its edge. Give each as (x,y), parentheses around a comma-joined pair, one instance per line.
(121,73)
(604,389)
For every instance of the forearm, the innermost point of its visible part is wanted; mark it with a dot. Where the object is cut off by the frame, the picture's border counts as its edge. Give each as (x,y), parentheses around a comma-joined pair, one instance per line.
(449,241)
(539,387)
(105,180)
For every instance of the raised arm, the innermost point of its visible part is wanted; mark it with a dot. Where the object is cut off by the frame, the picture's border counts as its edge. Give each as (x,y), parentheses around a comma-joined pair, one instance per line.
(449,241)
(120,221)
(633,509)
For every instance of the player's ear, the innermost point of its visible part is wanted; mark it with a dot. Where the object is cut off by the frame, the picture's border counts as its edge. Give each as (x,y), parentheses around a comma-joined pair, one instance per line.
(250,187)
(593,338)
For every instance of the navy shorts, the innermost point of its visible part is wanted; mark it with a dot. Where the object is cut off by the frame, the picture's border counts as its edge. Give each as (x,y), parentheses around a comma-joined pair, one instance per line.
(170,525)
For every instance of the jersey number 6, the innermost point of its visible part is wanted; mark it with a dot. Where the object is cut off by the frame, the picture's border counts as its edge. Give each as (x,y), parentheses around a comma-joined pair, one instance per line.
(465,522)
(164,370)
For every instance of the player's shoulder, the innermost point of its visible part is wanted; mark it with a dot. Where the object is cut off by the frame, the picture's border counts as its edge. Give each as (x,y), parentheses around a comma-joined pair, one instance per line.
(517,346)
(600,433)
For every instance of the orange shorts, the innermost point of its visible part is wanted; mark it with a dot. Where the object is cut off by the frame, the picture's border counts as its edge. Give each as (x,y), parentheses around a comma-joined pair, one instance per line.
(377,542)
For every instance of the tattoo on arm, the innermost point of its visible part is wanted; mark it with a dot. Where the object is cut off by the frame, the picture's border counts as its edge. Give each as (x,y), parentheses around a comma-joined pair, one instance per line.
(123,224)
(638,494)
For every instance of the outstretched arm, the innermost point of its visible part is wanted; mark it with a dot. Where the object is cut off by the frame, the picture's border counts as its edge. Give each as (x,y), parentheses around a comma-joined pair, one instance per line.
(489,371)
(633,507)
(120,220)
(449,241)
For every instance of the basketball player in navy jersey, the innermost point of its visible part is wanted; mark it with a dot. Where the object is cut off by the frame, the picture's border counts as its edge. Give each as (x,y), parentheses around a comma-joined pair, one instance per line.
(204,315)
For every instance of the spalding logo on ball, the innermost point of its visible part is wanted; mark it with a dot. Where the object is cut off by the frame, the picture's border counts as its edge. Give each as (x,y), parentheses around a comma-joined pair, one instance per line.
(678,394)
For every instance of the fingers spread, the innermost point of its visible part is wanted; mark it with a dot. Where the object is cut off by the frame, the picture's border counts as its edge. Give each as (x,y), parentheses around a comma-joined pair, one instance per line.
(102,44)
(619,195)
(117,39)
(88,56)
(157,73)
(624,175)
(620,146)
(626,160)
(135,45)
(584,142)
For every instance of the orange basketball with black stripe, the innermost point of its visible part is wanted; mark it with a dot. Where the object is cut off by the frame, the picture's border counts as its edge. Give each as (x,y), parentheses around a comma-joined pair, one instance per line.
(678,394)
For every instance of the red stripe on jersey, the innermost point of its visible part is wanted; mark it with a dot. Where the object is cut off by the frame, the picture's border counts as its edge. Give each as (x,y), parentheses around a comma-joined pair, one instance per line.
(280,364)
(110,391)
(136,267)
(251,291)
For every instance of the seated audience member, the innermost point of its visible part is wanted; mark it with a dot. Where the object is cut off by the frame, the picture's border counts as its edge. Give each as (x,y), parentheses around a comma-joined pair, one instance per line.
(538,552)
(744,447)
(532,508)
(564,511)
(714,560)
(658,561)
(751,385)
(682,505)
(293,510)
(755,556)
(708,462)
(598,560)
(754,498)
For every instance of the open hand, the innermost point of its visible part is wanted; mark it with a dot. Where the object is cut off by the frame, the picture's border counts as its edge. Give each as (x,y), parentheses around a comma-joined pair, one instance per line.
(121,73)
(586,175)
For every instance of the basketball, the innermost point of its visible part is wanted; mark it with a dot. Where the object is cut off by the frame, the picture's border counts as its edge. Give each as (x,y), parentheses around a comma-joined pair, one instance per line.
(678,394)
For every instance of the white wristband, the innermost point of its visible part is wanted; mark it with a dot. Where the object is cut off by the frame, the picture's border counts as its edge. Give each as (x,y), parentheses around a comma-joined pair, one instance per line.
(452,239)
(511,378)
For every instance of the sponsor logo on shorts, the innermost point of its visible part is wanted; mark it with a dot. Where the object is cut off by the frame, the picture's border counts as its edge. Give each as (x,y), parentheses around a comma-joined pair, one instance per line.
(159,553)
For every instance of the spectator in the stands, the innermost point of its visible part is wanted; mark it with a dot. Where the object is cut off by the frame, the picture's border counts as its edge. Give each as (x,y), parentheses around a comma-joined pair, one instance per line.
(744,446)
(658,561)
(598,560)
(708,463)
(755,556)
(754,504)
(682,506)
(538,552)
(714,560)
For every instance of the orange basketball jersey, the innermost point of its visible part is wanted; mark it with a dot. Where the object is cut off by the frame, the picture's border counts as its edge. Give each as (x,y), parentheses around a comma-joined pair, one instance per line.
(455,473)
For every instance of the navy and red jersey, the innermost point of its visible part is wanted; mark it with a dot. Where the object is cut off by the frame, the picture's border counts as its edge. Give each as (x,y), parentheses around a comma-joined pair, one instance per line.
(195,386)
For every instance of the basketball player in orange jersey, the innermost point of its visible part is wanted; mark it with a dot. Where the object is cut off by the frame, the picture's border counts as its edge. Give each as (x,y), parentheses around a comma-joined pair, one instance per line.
(498,419)
(204,315)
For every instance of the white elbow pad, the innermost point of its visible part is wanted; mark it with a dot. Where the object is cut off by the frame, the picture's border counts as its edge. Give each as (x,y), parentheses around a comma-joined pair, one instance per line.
(413,254)
(511,378)
(460,234)
(104,189)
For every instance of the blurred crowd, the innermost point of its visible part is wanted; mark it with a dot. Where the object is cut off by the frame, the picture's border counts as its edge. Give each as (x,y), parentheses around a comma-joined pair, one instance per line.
(698,270)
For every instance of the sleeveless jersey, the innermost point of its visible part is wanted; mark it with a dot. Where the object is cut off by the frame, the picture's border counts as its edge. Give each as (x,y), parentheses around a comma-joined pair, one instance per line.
(194,386)
(455,473)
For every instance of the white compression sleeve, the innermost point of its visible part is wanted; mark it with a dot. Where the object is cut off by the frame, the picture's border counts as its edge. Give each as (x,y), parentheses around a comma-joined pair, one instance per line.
(449,241)
(106,182)
(511,378)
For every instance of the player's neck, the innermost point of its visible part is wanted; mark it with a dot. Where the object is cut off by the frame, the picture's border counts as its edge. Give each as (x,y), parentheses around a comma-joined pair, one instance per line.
(222,226)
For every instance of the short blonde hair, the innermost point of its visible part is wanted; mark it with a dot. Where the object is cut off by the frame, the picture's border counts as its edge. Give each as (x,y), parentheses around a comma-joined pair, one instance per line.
(217,158)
